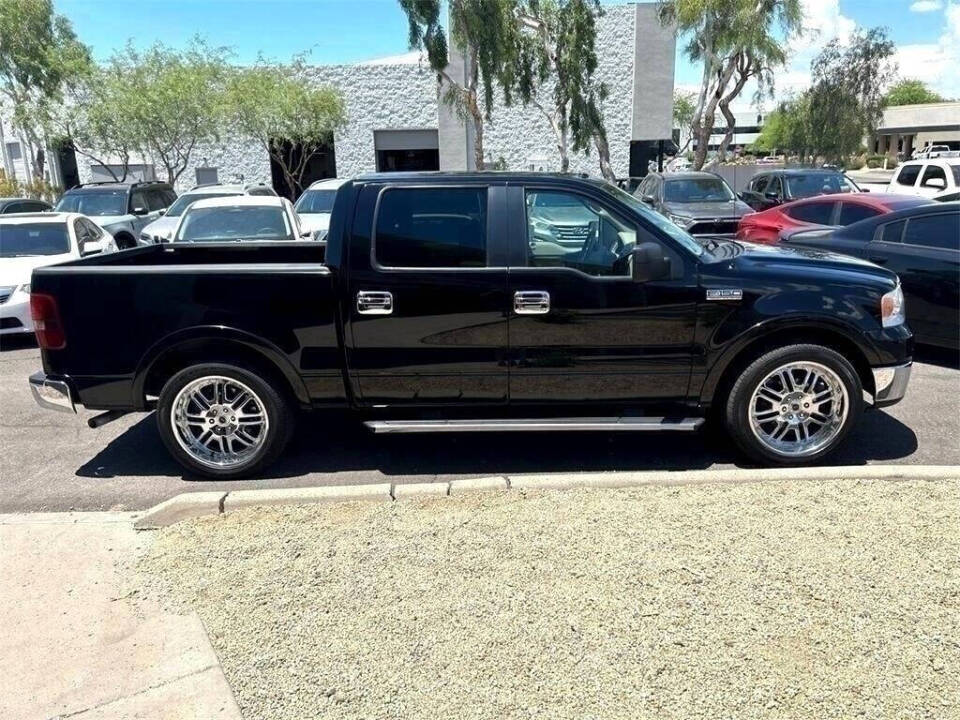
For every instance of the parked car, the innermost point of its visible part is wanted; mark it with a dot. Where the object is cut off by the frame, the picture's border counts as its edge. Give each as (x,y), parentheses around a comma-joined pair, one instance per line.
(948,196)
(429,311)
(700,202)
(122,209)
(162,228)
(928,178)
(238,218)
(931,151)
(770,188)
(840,209)
(32,240)
(11,205)
(316,204)
(920,244)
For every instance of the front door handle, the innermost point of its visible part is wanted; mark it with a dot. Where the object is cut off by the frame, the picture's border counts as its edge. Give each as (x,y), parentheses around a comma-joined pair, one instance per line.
(374,302)
(531,302)
(877,259)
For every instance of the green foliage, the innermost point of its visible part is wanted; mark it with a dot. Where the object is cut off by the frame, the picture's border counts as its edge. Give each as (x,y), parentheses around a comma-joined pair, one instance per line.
(172,100)
(39,54)
(286,112)
(845,101)
(9,187)
(911,92)
(734,40)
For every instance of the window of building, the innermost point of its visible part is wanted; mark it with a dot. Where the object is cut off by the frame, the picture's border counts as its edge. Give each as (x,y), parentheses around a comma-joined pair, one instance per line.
(813,212)
(939,231)
(13,151)
(432,227)
(207,175)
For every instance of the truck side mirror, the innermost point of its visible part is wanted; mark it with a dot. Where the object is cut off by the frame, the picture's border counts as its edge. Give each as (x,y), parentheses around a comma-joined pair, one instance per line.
(648,263)
(91,247)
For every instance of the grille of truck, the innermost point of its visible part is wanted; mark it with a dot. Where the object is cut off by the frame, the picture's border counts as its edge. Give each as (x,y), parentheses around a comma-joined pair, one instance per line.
(574,234)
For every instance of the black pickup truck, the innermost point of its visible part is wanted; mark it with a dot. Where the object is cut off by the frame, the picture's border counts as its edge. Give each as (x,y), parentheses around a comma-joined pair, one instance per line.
(474,302)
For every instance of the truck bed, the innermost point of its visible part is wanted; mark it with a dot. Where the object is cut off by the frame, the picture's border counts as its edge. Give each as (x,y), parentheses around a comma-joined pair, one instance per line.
(274,299)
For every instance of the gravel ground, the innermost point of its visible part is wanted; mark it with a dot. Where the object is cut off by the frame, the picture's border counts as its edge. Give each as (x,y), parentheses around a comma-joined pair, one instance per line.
(787,600)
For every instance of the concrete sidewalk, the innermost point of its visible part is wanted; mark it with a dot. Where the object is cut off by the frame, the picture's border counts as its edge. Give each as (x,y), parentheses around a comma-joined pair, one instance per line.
(73,645)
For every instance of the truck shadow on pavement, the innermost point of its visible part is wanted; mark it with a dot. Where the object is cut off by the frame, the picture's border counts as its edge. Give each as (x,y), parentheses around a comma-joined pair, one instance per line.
(337,445)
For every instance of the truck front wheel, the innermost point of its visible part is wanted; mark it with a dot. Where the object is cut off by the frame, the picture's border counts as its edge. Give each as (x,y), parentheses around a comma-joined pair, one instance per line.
(223,421)
(794,405)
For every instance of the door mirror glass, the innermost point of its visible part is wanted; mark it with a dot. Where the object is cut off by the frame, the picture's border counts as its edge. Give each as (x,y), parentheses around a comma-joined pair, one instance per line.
(648,199)
(771,195)
(649,263)
(162,211)
(139,210)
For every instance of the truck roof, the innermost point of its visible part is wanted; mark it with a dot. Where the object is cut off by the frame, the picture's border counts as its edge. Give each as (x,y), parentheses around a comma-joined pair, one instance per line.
(430,177)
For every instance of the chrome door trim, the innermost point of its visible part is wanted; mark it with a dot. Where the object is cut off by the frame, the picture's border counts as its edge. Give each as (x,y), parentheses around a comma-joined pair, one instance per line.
(374,302)
(531,302)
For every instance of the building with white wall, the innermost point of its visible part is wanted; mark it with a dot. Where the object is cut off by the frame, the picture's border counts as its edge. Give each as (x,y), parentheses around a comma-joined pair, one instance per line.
(395,120)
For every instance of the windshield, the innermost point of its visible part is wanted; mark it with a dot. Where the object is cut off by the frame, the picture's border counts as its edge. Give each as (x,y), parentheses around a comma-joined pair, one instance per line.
(694,190)
(315,201)
(654,218)
(185,201)
(802,186)
(234,223)
(34,239)
(110,202)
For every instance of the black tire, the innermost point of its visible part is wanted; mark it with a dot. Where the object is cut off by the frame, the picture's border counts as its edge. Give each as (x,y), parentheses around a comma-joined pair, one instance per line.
(736,410)
(124,241)
(276,405)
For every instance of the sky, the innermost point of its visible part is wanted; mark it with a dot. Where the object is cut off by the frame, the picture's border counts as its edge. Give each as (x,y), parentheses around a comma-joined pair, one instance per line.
(926,32)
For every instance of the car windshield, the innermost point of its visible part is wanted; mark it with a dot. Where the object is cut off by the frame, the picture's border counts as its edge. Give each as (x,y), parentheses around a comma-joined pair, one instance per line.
(316,201)
(185,201)
(234,223)
(109,202)
(801,186)
(654,218)
(694,190)
(24,240)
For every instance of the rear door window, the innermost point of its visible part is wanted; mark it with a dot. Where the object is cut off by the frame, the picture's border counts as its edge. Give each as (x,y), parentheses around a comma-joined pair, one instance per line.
(852,212)
(938,231)
(937,175)
(891,232)
(908,175)
(138,200)
(820,213)
(434,227)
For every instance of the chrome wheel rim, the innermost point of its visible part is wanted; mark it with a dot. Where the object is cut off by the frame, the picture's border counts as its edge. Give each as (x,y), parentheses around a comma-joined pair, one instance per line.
(798,409)
(219,421)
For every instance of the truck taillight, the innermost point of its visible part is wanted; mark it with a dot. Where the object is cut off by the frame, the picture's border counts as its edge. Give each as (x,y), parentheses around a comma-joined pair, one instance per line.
(46,322)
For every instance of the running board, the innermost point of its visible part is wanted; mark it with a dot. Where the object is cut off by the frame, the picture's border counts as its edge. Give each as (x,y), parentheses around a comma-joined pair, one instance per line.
(631,424)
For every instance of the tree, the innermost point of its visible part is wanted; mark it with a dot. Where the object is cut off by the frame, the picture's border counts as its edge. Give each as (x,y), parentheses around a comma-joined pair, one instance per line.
(557,47)
(911,92)
(485,32)
(286,113)
(683,111)
(735,40)
(846,100)
(172,101)
(39,54)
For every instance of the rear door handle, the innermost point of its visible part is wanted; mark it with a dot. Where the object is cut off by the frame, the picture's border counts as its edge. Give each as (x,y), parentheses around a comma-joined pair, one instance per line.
(531,302)
(374,302)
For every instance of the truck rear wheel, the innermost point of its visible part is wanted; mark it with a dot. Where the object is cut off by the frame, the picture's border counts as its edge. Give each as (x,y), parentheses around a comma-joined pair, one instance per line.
(794,405)
(223,421)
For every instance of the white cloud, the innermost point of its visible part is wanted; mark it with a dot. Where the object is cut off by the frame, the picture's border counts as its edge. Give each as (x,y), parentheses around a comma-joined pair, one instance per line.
(937,64)
(925,6)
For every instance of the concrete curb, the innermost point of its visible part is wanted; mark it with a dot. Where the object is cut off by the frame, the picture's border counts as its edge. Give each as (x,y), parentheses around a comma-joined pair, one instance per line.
(191,505)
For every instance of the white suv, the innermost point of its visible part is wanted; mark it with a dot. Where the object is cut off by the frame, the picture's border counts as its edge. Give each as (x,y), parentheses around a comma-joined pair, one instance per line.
(161,230)
(926,178)
(238,219)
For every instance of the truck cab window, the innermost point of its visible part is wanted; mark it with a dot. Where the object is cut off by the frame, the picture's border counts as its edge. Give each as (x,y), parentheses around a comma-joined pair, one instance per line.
(434,227)
(569,230)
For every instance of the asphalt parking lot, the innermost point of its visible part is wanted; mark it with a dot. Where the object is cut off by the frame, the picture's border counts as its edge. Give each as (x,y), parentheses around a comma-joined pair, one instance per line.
(53,462)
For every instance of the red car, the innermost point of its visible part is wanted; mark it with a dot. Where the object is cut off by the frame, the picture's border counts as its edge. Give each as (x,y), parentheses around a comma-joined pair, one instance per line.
(832,210)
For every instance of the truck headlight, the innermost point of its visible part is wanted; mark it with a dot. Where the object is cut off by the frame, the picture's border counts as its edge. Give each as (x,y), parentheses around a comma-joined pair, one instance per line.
(892,308)
(25,288)
(680,220)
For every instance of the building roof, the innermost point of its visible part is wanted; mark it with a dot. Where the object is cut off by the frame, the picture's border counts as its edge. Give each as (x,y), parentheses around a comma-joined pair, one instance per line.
(920,118)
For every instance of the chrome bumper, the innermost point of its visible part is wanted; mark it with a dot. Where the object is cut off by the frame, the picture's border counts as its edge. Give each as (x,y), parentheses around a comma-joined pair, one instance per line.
(890,384)
(52,394)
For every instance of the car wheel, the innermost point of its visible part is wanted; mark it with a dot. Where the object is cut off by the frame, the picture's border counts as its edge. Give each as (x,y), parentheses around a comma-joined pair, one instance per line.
(794,405)
(223,421)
